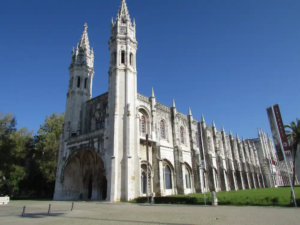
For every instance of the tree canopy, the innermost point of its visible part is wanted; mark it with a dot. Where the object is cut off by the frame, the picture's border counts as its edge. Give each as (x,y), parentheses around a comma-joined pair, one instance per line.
(29,162)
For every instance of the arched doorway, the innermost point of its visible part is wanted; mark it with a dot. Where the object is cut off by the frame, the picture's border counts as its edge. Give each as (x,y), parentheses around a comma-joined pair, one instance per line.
(84,177)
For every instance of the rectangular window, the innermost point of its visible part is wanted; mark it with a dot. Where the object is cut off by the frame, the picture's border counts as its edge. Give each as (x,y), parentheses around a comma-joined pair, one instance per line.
(78,82)
(123,57)
(85,82)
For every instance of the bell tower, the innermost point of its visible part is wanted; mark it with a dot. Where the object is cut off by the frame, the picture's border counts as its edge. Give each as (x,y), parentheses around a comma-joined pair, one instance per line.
(122,133)
(81,72)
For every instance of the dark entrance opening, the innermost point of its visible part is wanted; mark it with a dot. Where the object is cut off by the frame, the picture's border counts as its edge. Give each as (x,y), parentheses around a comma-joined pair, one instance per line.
(90,187)
(104,189)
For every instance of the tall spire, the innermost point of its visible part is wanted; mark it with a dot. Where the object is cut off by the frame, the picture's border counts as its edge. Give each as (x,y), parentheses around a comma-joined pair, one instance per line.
(213,124)
(84,40)
(202,118)
(123,14)
(190,112)
(223,130)
(152,93)
(173,103)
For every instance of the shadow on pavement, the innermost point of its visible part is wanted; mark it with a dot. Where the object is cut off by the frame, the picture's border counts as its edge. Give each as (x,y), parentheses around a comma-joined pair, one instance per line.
(130,221)
(41,215)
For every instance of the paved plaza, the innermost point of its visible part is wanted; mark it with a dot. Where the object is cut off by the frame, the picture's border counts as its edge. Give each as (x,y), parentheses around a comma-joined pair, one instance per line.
(126,213)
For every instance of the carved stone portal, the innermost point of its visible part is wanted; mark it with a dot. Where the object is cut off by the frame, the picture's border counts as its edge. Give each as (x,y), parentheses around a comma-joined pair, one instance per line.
(84,177)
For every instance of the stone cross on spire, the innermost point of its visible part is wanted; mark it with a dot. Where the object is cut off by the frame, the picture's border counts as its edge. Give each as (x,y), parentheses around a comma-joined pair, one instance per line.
(85,27)
(123,13)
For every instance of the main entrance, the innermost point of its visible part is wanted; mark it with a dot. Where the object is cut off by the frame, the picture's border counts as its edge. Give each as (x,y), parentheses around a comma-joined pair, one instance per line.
(84,177)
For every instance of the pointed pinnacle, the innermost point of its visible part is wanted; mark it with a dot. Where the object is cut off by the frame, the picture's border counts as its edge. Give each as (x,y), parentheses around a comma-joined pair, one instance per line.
(230,133)
(85,27)
(223,129)
(123,11)
(237,136)
(84,40)
(152,93)
(213,125)
(202,118)
(173,104)
(243,138)
(190,112)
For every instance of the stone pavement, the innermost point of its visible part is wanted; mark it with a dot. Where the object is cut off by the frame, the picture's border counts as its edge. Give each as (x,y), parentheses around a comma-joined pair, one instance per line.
(126,213)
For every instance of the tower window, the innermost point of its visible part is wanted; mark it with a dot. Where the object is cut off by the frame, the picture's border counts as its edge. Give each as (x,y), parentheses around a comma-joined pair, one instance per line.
(131,59)
(85,82)
(78,82)
(123,57)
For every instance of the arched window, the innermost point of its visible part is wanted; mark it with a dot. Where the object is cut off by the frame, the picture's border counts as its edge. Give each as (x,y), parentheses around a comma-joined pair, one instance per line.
(163,129)
(78,82)
(187,178)
(85,83)
(144,182)
(123,57)
(168,178)
(182,135)
(143,124)
(131,59)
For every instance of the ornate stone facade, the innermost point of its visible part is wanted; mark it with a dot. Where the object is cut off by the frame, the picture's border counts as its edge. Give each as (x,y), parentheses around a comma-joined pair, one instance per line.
(103,149)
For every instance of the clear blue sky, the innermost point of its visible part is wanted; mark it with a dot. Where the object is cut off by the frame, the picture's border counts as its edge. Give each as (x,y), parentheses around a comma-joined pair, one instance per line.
(228,60)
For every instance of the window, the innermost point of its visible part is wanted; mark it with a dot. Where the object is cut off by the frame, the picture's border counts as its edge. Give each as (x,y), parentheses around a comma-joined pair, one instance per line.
(78,82)
(168,178)
(187,178)
(85,82)
(73,134)
(123,57)
(131,59)
(162,129)
(197,139)
(182,135)
(143,124)
(144,182)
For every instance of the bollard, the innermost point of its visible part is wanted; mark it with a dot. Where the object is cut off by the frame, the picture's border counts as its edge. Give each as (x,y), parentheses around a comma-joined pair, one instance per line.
(49,210)
(72,206)
(23,213)
(214,200)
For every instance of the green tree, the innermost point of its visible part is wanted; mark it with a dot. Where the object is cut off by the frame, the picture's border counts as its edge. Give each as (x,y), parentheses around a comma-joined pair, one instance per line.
(47,147)
(13,146)
(293,135)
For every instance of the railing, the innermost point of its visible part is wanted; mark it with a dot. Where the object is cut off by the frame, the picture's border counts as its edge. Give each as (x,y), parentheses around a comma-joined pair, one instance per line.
(83,137)
(143,98)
